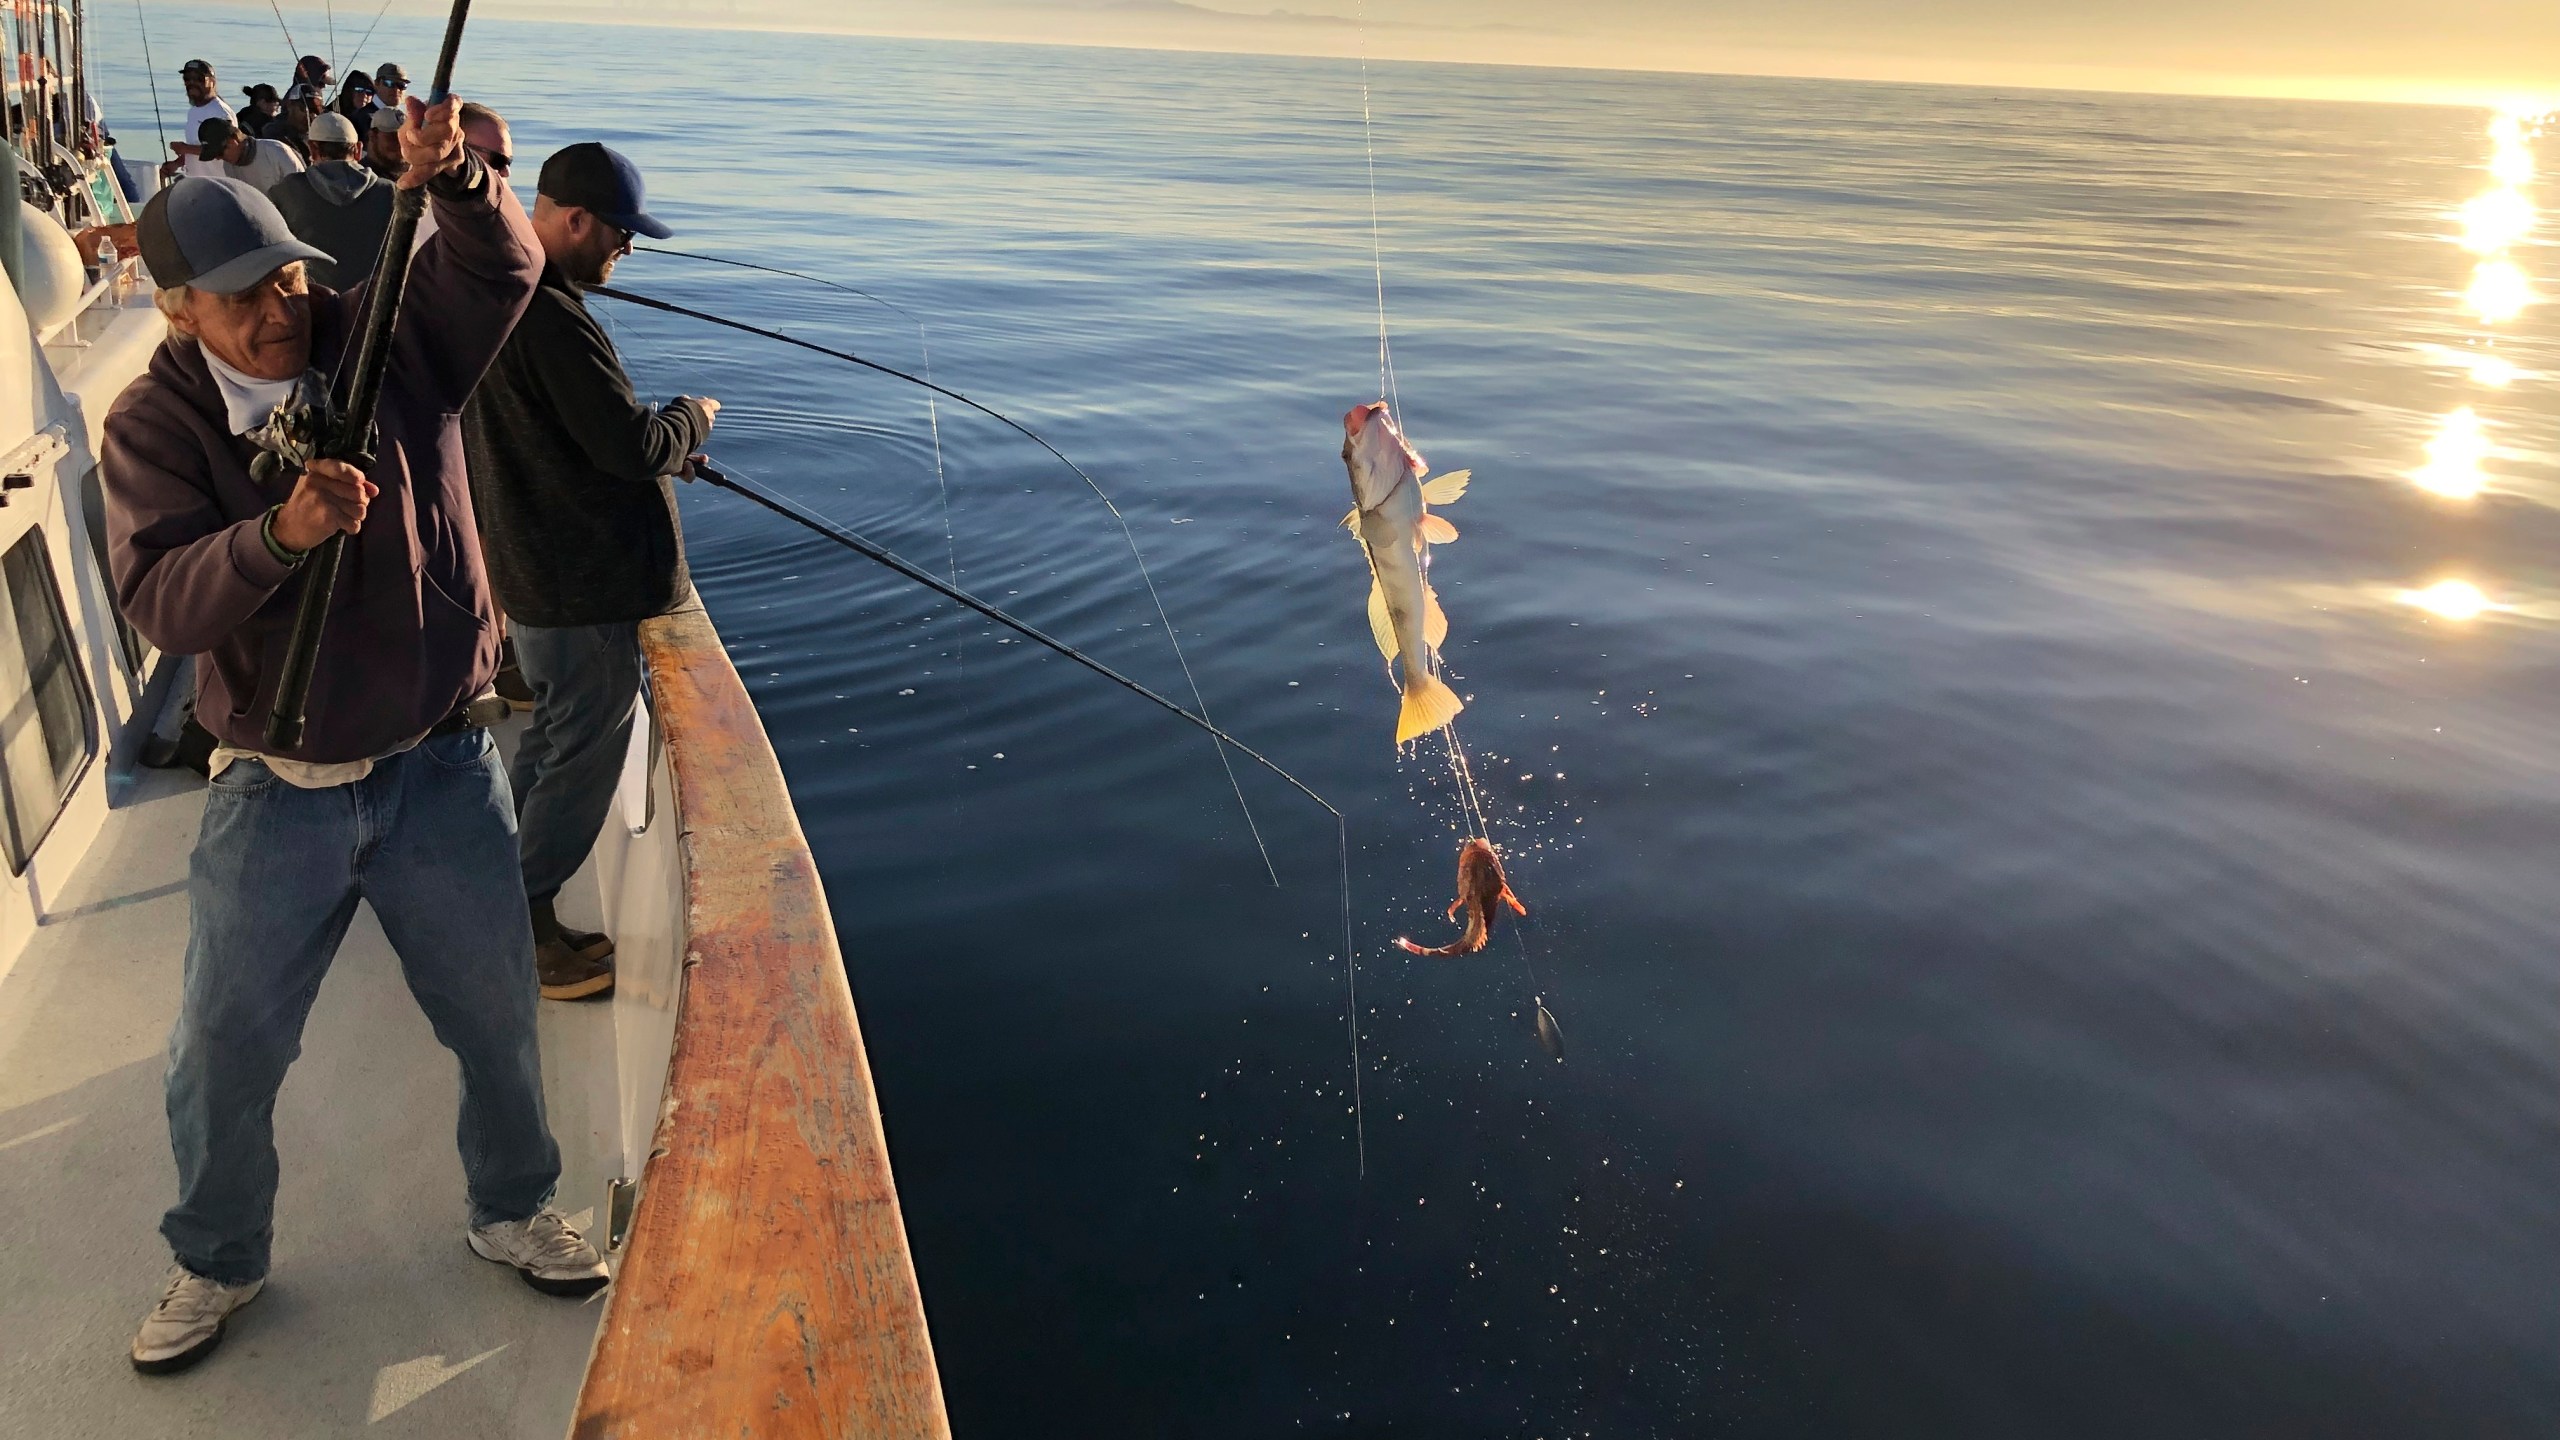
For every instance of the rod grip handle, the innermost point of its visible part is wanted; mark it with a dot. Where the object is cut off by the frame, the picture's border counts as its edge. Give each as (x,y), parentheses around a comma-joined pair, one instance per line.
(302,654)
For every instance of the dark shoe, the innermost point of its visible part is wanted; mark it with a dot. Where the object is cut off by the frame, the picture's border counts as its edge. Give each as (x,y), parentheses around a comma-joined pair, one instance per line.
(587,944)
(567,975)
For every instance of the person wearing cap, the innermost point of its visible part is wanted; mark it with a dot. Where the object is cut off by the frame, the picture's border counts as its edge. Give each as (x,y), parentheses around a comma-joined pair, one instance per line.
(394,797)
(293,128)
(264,111)
(569,479)
(204,102)
(313,71)
(337,206)
(382,143)
(356,100)
(390,85)
(258,164)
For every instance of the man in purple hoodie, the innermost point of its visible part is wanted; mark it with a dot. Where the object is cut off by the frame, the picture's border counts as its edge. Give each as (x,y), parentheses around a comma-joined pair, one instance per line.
(395,796)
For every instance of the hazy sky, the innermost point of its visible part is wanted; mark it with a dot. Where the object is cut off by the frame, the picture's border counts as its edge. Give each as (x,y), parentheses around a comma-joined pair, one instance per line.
(2379,49)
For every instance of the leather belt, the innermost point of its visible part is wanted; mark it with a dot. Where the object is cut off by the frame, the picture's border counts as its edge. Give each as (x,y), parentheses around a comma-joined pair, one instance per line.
(480,713)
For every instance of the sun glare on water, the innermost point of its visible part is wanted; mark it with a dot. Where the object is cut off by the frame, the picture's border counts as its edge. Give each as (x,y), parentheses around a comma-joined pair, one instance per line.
(2500,218)
(2453,457)
(2495,219)
(2450,600)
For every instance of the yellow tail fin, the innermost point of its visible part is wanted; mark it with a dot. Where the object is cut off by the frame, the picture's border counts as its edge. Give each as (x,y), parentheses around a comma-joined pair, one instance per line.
(1429,703)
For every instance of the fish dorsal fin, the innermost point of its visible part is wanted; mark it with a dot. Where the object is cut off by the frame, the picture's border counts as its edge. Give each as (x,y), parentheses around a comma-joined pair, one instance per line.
(1351,521)
(1436,531)
(1435,621)
(1447,489)
(1382,627)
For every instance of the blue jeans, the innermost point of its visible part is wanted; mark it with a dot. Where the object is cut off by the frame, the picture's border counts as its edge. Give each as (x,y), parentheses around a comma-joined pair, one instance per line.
(427,840)
(586,688)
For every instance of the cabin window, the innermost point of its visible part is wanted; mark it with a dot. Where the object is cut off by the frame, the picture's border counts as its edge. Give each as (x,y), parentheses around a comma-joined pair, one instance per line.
(48,728)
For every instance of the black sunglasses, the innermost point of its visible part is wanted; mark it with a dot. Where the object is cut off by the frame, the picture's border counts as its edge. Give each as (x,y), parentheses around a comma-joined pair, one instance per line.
(498,160)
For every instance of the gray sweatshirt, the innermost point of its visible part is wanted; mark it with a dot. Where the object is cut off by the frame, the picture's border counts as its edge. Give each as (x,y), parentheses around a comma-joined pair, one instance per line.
(341,208)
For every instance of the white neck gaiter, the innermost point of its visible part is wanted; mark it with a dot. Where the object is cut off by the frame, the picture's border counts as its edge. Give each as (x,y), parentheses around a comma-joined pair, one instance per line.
(248,401)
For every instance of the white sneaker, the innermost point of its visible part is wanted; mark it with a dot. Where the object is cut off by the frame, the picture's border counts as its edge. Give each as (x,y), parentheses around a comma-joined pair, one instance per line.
(546,1250)
(187,1323)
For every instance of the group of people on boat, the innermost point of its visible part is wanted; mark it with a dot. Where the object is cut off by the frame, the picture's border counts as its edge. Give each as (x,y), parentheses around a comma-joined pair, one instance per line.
(515,484)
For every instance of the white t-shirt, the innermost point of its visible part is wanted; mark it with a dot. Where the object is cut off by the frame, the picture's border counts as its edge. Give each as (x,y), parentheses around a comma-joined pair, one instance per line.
(270,161)
(197,115)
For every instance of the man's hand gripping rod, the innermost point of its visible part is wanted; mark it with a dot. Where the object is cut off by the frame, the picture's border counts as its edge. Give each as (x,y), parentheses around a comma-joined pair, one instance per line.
(343,430)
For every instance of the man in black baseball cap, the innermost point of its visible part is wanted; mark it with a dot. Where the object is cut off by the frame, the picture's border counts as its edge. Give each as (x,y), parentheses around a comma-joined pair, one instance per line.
(394,795)
(569,480)
(204,102)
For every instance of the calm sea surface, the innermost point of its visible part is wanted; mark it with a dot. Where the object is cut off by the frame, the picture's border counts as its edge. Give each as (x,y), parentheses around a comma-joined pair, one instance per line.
(2049,942)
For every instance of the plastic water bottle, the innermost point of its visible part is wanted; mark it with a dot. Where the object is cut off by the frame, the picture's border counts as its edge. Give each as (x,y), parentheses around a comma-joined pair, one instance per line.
(107,268)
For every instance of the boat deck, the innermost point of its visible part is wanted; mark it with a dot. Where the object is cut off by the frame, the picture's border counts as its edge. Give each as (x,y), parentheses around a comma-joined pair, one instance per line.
(375,1317)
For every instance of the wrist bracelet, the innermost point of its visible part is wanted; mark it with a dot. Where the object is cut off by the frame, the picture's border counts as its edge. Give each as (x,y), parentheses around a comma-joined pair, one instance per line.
(275,547)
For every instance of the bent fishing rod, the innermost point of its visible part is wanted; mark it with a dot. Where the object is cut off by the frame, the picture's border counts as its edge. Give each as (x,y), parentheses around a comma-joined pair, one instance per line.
(792,511)
(650,303)
(789,510)
(342,429)
(1144,574)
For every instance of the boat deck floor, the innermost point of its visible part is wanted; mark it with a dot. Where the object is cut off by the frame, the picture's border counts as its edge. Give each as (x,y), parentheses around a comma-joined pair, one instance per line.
(376,1318)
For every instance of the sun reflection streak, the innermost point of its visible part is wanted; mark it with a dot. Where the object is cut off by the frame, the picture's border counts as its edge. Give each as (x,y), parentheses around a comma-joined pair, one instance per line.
(2451,600)
(2453,457)
(2492,371)
(2495,219)
(2499,292)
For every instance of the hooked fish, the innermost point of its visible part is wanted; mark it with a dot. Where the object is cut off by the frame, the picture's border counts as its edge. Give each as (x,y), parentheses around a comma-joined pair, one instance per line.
(1392,516)
(1480,888)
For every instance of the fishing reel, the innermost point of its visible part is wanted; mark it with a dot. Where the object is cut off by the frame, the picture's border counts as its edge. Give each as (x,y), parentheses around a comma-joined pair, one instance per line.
(299,432)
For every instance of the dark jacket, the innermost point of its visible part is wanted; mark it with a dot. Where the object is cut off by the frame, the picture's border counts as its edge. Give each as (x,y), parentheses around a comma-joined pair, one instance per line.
(341,208)
(569,473)
(411,634)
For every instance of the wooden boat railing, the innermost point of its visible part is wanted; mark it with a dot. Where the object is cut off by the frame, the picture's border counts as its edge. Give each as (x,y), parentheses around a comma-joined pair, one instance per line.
(765,1288)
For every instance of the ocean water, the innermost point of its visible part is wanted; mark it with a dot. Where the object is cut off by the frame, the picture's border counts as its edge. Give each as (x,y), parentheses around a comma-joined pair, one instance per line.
(2049,940)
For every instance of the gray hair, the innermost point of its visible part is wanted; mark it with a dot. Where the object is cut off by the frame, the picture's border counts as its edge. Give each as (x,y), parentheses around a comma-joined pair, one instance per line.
(170,301)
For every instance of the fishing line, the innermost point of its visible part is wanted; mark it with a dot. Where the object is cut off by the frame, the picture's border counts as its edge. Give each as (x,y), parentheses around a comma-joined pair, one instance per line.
(792,511)
(932,410)
(290,43)
(330,7)
(1470,803)
(368,30)
(152,68)
(1126,533)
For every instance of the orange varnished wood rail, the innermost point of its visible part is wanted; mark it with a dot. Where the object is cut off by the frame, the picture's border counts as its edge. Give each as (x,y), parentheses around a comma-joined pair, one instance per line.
(766,1289)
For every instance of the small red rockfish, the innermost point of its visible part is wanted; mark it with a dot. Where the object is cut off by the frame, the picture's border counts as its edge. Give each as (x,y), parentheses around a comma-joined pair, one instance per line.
(1480,888)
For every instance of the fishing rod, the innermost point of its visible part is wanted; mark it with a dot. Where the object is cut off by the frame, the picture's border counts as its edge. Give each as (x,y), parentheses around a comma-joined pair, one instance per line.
(151,68)
(1092,484)
(933,417)
(344,430)
(818,524)
(369,29)
(290,43)
(790,510)
(778,270)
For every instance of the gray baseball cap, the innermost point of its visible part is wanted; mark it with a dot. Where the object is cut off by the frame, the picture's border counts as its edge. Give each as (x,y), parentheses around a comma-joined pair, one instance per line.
(332,128)
(217,234)
(387,118)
